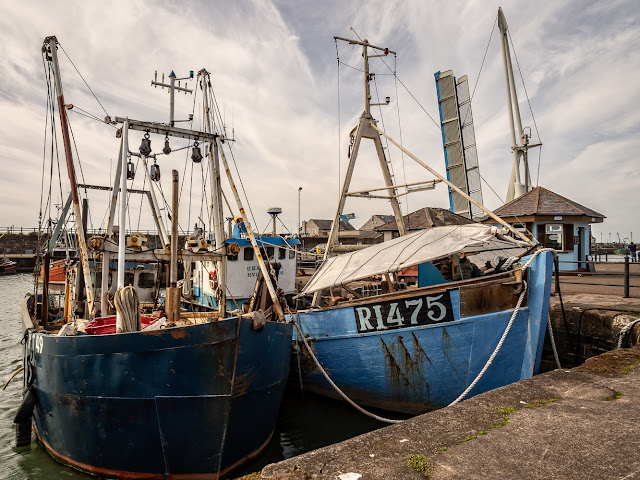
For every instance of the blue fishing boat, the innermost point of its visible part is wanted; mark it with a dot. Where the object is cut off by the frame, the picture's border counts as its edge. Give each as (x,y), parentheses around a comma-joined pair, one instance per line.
(418,349)
(148,393)
(475,320)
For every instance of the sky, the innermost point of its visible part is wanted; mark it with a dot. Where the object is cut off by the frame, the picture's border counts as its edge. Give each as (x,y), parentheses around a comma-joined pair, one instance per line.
(289,104)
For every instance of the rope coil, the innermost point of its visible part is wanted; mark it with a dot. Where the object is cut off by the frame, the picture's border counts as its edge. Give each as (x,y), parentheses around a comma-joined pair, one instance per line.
(128,308)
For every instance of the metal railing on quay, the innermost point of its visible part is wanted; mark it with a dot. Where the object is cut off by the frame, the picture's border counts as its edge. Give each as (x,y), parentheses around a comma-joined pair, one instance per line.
(625,274)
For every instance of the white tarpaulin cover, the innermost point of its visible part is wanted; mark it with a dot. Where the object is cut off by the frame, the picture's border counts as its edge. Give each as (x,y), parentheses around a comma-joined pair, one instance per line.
(403,252)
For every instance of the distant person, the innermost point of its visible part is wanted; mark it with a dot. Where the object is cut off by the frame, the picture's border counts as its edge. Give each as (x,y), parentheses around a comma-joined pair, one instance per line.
(632,248)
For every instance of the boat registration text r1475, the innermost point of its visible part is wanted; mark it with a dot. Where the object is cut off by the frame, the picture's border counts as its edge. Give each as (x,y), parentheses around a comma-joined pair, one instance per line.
(400,313)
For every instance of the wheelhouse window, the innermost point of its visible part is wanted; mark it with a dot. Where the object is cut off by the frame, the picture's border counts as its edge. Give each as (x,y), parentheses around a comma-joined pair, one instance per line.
(248,254)
(146,280)
(269,252)
(128,279)
(292,254)
(282,253)
(553,236)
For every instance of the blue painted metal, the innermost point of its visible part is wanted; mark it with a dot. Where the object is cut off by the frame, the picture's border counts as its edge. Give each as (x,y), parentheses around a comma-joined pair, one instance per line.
(428,274)
(195,400)
(415,369)
(444,139)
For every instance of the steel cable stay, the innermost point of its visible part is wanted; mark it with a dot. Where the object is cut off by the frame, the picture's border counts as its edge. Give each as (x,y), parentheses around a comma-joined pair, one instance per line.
(404,172)
(85,82)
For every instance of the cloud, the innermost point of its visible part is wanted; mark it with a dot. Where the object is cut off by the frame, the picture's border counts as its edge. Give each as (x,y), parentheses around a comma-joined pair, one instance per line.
(275,75)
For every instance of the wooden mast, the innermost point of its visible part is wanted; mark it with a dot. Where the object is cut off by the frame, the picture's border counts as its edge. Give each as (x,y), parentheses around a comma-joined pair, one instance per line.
(51,43)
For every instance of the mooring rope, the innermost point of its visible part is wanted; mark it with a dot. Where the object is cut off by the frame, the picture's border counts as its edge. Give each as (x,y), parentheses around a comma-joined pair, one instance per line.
(128,308)
(553,344)
(336,388)
(625,330)
(506,331)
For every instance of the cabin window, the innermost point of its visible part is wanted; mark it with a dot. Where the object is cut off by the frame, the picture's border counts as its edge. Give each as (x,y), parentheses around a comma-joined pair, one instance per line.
(282,253)
(292,254)
(269,252)
(128,278)
(146,280)
(554,236)
(232,258)
(248,254)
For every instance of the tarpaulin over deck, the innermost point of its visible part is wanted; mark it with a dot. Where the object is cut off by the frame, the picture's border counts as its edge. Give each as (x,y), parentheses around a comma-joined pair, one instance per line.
(403,252)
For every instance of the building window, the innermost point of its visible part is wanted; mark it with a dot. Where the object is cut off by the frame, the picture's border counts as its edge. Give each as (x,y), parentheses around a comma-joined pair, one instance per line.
(282,253)
(553,236)
(248,254)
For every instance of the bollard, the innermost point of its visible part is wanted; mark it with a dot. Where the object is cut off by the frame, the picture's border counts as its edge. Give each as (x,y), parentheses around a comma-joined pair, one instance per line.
(626,277)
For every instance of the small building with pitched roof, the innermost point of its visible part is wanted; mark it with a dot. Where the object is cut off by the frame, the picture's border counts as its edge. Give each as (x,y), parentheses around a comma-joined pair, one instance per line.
(320,228)
(426,217)
(376,221)
(555,221)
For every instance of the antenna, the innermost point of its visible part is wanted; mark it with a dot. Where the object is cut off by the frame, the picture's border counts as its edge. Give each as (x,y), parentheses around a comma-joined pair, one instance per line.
(172,88)
(274,212)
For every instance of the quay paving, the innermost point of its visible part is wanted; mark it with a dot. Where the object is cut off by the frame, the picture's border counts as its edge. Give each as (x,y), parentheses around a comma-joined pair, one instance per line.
(565,424)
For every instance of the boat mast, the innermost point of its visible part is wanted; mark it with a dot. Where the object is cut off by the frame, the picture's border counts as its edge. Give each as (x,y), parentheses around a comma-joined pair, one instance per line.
(252,238)
(50,47)
(216,199)
(516,188)
(365,130)
(124,151)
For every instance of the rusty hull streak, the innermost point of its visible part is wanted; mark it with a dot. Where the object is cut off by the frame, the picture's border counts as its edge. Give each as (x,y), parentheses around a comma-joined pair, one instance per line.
(179,333)
(67,399)
(414,367)
(242,383)
(419,348)
(447,344)
(396,375)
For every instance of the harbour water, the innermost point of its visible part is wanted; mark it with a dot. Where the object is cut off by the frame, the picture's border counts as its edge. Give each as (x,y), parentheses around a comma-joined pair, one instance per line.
(307,422)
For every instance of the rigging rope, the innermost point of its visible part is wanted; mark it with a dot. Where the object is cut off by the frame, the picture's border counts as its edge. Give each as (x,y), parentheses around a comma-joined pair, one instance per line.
(404,172)
(85,82)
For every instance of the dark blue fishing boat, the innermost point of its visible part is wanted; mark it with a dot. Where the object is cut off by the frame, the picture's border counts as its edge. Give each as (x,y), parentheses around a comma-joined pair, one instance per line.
(170,394)
(195,400)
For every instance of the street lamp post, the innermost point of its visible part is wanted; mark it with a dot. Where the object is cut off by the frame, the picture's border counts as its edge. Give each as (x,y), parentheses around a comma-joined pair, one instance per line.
(299,227)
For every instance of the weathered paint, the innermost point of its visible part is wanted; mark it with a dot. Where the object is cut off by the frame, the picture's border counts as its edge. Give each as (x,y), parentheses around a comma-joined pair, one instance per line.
(417,368)
(186,402)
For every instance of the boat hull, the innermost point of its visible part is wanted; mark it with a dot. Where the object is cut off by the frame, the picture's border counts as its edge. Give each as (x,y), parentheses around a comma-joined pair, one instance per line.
(185,402)
(419,368)
(8,268)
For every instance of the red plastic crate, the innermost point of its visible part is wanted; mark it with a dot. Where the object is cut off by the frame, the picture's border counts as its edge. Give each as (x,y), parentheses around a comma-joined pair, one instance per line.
(107,325)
